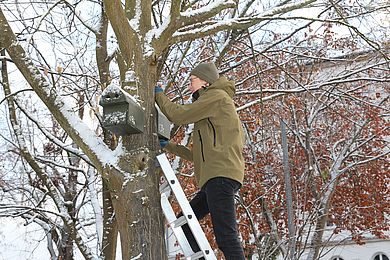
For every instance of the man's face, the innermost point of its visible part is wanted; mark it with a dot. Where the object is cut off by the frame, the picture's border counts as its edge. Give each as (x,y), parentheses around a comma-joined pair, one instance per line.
(196,83)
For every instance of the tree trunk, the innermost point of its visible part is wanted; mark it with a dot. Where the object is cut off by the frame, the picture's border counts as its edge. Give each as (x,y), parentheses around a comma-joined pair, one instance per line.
(135,195)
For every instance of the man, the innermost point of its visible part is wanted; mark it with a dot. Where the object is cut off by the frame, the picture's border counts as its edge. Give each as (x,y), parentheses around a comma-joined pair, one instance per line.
(218,141)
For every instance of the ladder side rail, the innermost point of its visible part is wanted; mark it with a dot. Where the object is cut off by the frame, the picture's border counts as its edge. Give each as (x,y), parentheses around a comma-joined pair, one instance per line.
(186,208)
(177,231)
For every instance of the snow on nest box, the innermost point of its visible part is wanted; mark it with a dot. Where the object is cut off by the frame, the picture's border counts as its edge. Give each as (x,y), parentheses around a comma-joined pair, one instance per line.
(122,114)
(131,80)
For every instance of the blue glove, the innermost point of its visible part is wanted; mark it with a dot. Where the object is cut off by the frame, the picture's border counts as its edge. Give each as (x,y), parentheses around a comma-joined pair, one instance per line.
(158,89)
(163,142)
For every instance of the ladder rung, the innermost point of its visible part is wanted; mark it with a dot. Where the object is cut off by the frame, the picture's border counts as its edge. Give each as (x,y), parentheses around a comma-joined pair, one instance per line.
(188,216)
(171,217)
(179,222)
(197,255)
(165,188)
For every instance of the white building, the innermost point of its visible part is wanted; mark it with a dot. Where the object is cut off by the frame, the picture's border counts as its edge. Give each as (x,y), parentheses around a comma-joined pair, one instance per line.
(373,249)
(342,247)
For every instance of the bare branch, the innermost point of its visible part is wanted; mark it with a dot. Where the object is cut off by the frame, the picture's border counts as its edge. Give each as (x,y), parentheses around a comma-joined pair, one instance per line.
(83,136)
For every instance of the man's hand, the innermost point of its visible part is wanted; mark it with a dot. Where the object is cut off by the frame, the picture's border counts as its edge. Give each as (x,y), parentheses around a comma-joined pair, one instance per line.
(158,89)
(163,142)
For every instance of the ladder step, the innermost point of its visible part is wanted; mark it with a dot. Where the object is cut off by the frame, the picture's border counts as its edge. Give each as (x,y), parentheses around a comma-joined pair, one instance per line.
(164,187)
(197,255)
(178,232)
(188,215)
(179,222)
(191,257)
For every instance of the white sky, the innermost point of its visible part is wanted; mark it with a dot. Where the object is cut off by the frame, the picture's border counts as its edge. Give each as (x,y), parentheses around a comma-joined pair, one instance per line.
(18,241)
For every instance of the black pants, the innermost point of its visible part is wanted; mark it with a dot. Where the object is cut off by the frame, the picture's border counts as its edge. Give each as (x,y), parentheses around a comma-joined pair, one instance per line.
(217,198)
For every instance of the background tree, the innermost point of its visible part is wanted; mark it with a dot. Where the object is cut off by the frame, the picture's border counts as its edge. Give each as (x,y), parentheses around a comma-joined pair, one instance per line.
(279,72)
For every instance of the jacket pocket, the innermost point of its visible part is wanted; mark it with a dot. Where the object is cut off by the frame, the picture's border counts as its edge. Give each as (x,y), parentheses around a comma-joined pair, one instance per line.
(201,144)
(214,132)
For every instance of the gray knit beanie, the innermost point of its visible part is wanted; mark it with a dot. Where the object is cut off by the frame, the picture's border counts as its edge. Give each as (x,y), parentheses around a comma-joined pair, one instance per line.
(206,71)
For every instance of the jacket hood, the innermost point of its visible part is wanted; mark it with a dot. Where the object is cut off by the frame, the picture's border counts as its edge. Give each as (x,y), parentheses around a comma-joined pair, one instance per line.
(217,137)
(224,84)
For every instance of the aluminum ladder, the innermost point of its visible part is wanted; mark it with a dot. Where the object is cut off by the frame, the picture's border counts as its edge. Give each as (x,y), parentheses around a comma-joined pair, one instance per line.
(172,185)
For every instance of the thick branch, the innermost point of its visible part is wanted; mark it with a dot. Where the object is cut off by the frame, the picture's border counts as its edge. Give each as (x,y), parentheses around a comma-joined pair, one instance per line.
(181,20)
(125,34)
(237,23)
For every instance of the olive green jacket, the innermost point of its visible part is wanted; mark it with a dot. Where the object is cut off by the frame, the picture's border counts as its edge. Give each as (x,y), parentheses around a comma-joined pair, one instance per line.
(218,137)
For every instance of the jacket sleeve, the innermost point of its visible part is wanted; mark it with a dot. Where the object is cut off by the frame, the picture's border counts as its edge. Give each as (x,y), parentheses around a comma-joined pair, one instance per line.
(203,108)
(179,150)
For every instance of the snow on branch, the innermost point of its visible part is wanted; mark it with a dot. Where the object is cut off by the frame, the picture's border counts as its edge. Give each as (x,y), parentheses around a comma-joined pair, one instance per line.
(9,209)
(127,36)
(88,137)
(315,86)
(211,28)
(51,137)
(135,21)
(341,150)
(55,194)
(191,28)
(114,90)
(208,10)
(96,150)
(161,37)
(286,8)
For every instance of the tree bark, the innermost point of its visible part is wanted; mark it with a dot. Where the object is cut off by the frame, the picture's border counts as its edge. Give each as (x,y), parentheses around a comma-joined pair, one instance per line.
(135,196)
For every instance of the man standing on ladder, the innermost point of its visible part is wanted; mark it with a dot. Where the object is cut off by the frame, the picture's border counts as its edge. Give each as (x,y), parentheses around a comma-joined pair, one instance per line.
(218,141)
